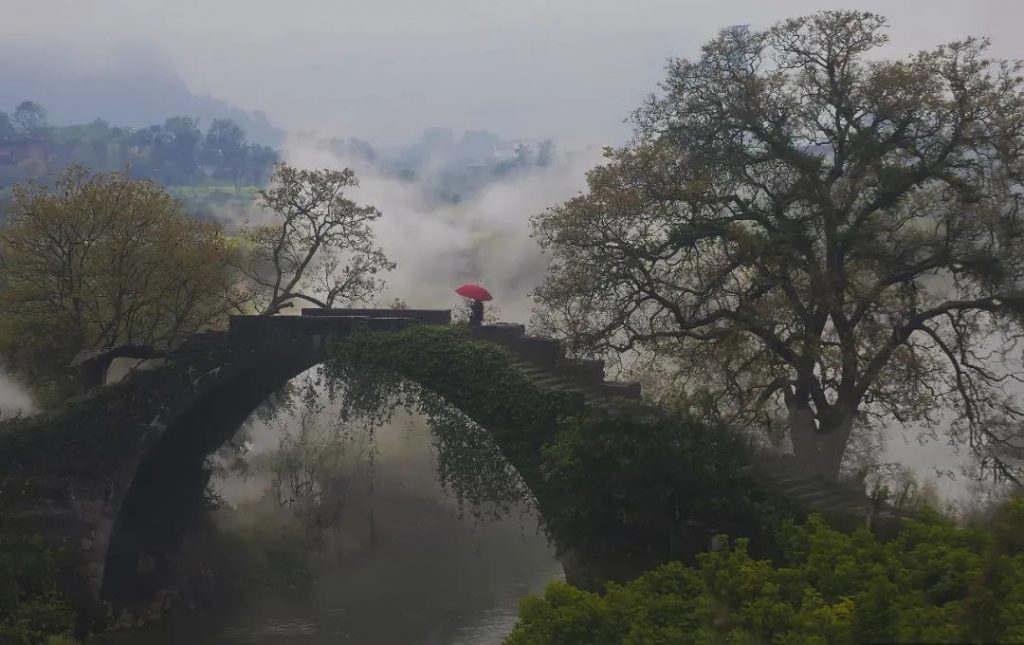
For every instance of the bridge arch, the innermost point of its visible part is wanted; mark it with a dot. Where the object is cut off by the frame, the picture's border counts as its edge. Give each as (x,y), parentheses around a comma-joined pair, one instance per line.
(131,453)
(223,378)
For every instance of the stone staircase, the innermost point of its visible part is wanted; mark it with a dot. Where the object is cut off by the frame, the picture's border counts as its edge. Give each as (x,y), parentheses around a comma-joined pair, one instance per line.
(543,361)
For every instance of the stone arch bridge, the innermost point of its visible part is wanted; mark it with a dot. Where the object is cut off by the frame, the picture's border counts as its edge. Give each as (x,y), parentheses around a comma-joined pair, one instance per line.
(213,381)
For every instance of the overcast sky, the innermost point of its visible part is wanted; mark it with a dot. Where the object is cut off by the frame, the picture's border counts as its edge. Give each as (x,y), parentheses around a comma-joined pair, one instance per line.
(385,69)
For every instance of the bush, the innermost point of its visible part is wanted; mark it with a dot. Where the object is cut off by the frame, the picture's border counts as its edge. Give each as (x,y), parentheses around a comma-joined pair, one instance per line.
(32,610)
(642,485)
(932,583)
(622,488)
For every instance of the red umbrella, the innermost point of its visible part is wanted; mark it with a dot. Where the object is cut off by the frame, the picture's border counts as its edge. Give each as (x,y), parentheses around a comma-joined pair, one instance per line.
(474,292)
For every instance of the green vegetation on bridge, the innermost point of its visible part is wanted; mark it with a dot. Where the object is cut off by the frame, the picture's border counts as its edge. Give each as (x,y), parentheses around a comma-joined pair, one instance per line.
(613,486)
(622,488)
(621,491)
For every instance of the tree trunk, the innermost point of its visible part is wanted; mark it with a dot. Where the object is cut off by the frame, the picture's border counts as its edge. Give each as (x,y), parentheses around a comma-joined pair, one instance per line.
(819,448)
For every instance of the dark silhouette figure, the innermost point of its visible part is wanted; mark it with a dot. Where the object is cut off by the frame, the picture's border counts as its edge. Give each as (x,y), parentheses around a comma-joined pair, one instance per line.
(476,314)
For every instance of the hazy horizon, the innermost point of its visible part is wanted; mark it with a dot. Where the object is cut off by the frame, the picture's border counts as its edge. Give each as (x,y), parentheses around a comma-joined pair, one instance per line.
(384,71)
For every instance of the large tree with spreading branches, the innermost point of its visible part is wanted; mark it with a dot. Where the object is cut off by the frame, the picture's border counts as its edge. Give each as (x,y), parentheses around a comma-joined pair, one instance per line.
(811,232)
(101,263)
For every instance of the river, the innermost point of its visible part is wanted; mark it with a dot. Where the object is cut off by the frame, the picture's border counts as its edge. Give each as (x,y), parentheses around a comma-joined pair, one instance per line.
(403,566)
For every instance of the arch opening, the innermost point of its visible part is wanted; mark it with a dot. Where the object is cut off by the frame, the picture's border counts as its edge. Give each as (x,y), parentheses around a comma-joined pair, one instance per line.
(164,502)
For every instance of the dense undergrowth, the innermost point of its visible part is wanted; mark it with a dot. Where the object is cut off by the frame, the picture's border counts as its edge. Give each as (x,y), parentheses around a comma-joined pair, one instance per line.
(932,583)
(33,611)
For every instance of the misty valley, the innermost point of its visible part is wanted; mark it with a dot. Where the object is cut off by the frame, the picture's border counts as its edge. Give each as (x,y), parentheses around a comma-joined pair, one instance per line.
(411,350)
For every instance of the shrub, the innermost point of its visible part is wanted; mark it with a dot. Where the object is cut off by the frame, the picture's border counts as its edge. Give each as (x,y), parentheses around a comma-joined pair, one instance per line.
(32,610)
(932,583)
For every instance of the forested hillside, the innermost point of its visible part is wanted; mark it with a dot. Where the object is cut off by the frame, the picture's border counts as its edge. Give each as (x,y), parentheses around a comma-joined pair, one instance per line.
(177,152)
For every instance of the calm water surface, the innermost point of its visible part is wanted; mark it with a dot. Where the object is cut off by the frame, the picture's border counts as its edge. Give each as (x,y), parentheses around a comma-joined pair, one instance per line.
(423,575)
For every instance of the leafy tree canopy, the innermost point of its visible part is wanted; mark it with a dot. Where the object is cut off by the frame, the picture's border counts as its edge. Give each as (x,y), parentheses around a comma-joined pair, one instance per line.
(100,261)
(814,235)
(32,609)
(621,487)
(7,129)
(175,153)
(29,117)
(933,583)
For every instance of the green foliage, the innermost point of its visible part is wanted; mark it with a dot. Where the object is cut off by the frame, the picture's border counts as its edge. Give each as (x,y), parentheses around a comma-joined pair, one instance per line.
(6,127)
(102,260)
(932,583)
(253,553)
(29,118)
(474,376)
(719,240)
(175,153)
(76,449)
(622,489)
(628,483)
(236,556)
(563,615)
(32,610)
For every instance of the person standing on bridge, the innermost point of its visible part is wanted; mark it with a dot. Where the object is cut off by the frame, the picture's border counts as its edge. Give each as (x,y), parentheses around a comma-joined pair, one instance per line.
(476,313)
(477,296)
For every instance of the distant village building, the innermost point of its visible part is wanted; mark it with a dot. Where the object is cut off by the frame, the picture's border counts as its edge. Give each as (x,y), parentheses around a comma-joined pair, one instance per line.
(18,150)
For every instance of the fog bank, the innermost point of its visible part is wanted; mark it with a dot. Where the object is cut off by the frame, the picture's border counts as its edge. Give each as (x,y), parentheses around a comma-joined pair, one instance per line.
(485,238)
(14,397)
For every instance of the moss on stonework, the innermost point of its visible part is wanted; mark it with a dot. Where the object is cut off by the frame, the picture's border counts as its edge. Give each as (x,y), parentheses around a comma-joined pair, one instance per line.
(623,490)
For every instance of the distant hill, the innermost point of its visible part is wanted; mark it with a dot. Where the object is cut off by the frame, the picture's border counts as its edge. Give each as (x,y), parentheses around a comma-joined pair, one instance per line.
(136,91)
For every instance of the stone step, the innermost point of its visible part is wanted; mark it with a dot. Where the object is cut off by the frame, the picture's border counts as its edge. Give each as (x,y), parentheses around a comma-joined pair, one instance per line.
(583,370)
(536,350)
(818,494)
(811,483)
(787,478)
(558,387)
(801,489)
(850,507)
(531,370)
(500,331)
(543,362)
(820,498)
(541,375)
(625,389)
(548,379)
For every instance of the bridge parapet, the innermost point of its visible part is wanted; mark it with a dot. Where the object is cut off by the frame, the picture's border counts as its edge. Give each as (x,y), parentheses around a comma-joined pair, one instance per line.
(260,327)
(429,316)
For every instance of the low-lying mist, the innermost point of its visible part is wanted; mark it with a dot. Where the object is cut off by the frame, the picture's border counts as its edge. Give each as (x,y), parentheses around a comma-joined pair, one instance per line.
(484,238)
(393,556)
(14,398)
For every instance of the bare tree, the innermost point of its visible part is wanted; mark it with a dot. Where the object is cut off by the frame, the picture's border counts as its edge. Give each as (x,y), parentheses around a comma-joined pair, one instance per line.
(806,231)
(319,249)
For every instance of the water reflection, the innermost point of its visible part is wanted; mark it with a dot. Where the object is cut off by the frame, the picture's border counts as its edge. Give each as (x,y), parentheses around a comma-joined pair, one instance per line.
(400,564)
